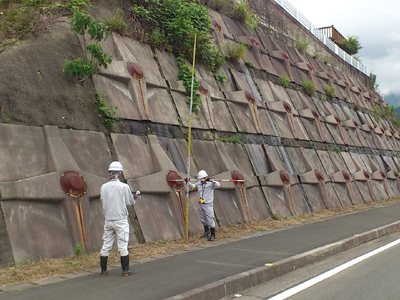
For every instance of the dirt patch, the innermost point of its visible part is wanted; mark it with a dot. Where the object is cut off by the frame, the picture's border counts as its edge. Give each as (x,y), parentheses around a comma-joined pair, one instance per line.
(28,272)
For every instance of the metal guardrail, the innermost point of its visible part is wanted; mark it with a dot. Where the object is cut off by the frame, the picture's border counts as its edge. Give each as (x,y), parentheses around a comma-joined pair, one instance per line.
(322,37)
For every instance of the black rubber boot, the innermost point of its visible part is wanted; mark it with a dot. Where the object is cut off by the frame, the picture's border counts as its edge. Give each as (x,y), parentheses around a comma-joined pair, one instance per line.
(125,266)
(206,232)
(103,265)
(212,237)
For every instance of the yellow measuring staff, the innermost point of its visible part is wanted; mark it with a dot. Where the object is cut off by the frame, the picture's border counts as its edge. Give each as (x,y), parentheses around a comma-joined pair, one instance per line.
(189,138)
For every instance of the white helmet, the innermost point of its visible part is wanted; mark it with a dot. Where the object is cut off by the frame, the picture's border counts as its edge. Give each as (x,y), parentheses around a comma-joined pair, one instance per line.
(115,166)
(202,174)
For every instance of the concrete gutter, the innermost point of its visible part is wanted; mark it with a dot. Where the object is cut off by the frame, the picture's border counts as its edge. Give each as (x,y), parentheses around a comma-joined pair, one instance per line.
(234,284)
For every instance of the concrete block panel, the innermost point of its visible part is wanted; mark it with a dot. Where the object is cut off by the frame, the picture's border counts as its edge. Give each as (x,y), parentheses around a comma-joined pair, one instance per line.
(316,184)
(281,190)
(30,203)
(42,223)
(310,118)
(337,130)
(282,65)
(234,158)
(265,90)
(221,30)
(235,28)
(361,176)
(168,65)
(214,108)
(375,166)
(231,203)
(285,116)
(133,82)
(342,182)
(6,256)
(205,117)
(18,162)
(249,113)
(215,87)
(146,163)
(382,138)
(258,55)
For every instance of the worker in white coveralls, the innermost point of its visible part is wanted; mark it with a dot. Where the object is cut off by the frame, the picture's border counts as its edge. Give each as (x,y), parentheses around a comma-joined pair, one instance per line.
(205,187)
(115,196)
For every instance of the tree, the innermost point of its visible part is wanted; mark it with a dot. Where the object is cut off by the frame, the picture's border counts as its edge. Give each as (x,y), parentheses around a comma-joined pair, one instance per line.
(350,45)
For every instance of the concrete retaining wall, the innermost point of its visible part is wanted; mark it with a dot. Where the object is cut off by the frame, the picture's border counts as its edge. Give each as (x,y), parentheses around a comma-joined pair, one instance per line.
(297,153)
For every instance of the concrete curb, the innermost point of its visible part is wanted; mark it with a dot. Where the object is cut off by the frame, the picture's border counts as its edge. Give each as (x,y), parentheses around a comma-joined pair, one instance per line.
(234,284)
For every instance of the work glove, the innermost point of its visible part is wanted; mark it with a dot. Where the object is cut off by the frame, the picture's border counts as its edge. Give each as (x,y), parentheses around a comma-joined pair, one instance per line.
(138,193)
(202,200)
(210,180)
(186,180)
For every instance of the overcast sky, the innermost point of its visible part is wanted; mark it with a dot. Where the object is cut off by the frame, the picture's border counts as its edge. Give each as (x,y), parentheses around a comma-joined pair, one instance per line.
(377,25)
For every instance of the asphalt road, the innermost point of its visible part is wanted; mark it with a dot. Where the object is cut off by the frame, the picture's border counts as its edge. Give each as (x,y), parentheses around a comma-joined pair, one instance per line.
(197,268)
(374,278)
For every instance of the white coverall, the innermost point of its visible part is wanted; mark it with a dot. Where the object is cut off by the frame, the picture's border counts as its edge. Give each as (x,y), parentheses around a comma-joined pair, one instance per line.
(206,192)
(115,196)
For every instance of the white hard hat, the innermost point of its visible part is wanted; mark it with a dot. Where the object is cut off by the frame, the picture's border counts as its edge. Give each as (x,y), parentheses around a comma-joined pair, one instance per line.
(115,166)
(202,174)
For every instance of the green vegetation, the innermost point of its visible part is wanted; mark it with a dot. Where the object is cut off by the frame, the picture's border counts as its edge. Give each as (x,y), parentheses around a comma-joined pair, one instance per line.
(309,87)
(249,63)
(275,217)
(105,112)
(235,51)
(78,249)
(173,25)
(372,79)
(330,91)
(220,77)
(350,45)
(217,5)
(116,22)
(285,80)
(244,15)
(23,16)
(185,74)
(234,139)
(389,113)
(81,22)
(301,45)
(326,59)
(376,111)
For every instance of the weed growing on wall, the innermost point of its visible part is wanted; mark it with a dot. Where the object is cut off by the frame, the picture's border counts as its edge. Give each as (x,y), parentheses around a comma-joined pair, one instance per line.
(78,249)
(81,22)
(105,112)
(351,45)
(235,51)
(376,111)
(185,74)
(285,80)
(173,24)
(309,87)
(330,91)
(116,22)
(217,5)
(220,77)
(301,44)
(244,15)
(234,139)
(249,63)
(23,16)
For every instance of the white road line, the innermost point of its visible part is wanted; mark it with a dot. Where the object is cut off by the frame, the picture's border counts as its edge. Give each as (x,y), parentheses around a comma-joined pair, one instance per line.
(296,289)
